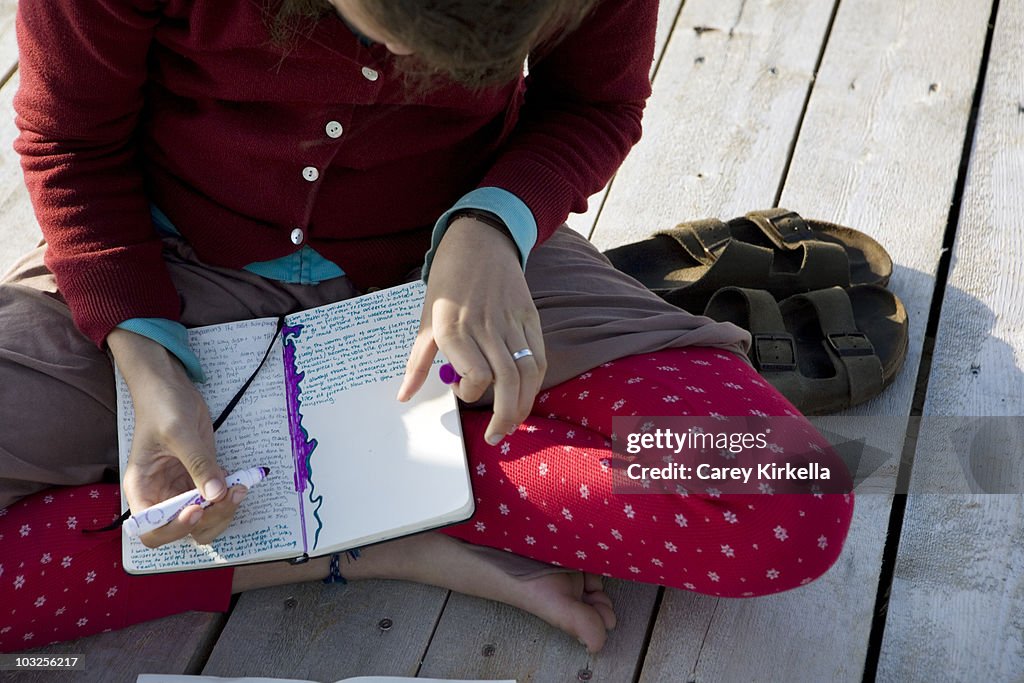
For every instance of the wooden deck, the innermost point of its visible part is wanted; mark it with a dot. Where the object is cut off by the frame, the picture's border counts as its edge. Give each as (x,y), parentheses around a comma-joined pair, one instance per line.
(903,118)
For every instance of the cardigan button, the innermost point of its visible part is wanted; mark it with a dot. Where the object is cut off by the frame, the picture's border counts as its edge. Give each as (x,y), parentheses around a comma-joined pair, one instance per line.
(310,173)
(334,129)
(297,236)
(370,74)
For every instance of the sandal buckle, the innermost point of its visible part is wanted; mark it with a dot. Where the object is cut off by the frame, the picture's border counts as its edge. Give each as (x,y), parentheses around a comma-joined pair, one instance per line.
(851,344)
(774,351)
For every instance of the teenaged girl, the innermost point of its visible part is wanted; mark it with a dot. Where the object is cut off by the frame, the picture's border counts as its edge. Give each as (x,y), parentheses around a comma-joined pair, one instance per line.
(199,161)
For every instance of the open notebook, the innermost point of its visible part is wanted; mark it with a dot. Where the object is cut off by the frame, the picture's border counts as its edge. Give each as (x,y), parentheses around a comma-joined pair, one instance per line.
(349,465)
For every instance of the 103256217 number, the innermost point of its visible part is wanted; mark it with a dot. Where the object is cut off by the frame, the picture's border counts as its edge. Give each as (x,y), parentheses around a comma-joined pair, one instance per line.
(13,662)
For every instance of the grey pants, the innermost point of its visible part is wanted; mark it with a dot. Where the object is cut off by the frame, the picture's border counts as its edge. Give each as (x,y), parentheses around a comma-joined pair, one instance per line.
(57,407)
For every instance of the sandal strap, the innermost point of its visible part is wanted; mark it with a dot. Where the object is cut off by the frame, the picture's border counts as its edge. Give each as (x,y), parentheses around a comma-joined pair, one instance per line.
(850,349)
(786,229)
(824,264)
(772,348)
(700,239)
(730,262)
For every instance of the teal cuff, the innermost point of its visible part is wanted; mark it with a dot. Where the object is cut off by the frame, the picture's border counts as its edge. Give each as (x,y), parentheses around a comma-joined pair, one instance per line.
(172,336)
(509,208)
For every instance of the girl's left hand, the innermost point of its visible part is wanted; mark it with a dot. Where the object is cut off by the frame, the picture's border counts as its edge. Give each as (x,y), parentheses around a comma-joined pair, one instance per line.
(479,311)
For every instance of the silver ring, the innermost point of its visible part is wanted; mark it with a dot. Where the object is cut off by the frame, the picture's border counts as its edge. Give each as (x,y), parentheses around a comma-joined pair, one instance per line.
(523,353)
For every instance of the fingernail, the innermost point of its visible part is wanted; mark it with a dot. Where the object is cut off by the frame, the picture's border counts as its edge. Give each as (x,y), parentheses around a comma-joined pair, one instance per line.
(493,439)
(213,489)
(238,495)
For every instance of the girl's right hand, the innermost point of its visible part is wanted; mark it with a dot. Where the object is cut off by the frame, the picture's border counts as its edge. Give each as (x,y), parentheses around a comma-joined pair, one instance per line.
(478,312)
(172,446)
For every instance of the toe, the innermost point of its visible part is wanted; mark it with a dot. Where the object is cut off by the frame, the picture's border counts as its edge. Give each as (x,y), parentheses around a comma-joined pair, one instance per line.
(603,604)
(596,597)
(588,626)
(571,612)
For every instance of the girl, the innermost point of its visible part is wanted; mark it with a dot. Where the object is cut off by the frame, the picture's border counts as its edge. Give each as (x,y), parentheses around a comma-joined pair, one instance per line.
(200,161)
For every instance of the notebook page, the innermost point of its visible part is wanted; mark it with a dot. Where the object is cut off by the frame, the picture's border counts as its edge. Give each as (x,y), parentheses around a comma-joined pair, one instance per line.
(377,468)
(255,434)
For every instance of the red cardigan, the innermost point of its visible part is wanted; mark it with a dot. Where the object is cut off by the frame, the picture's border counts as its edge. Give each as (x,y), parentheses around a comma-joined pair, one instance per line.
(183,103)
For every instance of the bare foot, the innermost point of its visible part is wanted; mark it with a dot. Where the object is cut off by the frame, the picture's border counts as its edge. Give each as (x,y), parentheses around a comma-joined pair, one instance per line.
(570,600)
(574,602)
(567,599)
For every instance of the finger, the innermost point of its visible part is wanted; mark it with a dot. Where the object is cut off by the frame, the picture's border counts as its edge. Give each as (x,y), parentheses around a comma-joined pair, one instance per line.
(470,362)
(218,517)
(519,403)
(507,413)
(199,458)
(417,368)
(531,370)
(156,481)
(178,528)
(535,340)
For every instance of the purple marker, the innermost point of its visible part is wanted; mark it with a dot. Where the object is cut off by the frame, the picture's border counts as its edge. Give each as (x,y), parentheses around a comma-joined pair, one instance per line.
(161,514)
(448,374)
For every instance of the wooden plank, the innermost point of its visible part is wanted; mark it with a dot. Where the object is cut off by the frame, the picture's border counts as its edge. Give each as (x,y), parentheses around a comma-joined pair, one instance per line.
(975,365)
(882,156)
(668,10)
(720,122)
(325,633)
(957,591)
(173,645)
(674,652)
(484,639)
(8,41)
(958,586)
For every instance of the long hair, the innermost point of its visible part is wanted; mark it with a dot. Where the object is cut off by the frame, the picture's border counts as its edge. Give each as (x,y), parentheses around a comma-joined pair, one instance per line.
(288,18)
(475,43)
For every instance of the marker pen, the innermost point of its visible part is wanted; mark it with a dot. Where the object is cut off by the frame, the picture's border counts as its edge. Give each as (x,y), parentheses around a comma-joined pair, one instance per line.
(154,517)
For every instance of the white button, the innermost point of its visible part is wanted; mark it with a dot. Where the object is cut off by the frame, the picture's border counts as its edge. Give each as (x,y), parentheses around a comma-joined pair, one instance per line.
(334,129)
(369,74)
(310,173)
(297,236)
